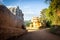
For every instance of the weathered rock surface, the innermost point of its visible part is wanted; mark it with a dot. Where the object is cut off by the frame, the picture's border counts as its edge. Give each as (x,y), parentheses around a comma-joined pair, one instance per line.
(10,25)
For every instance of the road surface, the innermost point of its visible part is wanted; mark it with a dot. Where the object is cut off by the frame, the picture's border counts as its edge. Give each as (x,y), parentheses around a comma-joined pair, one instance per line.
(39,35)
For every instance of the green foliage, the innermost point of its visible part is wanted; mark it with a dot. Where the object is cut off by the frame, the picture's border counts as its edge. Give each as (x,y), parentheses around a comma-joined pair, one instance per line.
(48,24)
(55,29)
(52,30)
(46,15)
(51,12)
(27,23)
(52,15)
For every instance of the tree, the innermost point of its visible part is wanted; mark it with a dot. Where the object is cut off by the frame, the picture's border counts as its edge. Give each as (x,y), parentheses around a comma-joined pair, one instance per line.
(27,23)
(46,17)
(54,11)
(54,15)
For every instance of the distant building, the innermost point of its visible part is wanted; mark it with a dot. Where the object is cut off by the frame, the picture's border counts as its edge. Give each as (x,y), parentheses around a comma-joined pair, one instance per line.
(36,22)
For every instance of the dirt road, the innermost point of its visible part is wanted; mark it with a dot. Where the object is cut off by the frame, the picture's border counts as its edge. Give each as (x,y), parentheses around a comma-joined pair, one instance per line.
(39,35)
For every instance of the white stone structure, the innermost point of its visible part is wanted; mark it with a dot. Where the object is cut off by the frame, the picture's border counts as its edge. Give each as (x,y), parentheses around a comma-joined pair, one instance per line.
(10,24)
(17,12)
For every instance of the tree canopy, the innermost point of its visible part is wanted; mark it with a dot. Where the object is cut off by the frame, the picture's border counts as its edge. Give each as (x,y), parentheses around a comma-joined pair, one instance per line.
(52,13)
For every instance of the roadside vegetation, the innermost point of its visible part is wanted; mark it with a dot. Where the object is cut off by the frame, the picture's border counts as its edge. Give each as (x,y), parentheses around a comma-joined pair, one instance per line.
(51,16)
(27,23)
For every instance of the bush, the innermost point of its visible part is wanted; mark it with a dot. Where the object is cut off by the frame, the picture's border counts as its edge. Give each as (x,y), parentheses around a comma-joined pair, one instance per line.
(55,29)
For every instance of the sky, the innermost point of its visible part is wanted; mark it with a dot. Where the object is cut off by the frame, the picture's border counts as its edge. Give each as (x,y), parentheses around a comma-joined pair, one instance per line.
(30,8)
